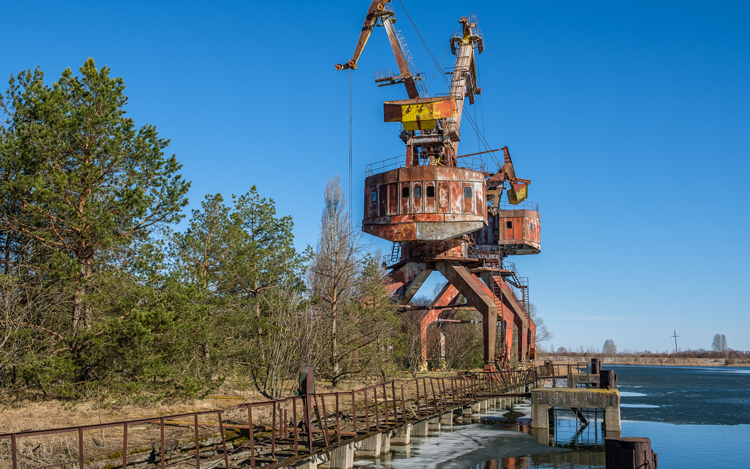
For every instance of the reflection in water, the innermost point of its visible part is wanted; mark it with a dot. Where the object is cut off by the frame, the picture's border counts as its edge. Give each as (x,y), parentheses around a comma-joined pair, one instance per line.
(584,444)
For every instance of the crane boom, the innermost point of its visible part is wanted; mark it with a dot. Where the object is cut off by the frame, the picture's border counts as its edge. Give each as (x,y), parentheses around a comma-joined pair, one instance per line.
(379,11)
(431,126)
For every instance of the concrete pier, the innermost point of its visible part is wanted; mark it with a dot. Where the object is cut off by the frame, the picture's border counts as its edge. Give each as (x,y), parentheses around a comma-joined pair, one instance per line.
(433,423)
(385,444)
(369,447)
(402,436)
(420,428)
(544,399)
(342,457)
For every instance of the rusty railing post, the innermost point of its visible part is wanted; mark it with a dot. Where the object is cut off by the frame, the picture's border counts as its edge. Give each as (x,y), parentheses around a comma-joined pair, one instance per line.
(377,410)
(161,437)
(367,412)
(273,428)
(308,421)
(325,413)
(354,415)
(80,447)
(125,446)
(403,403)
(294,426)
(251,435)
(13,453)
(224,441)
(338,427)
(445,394)
(197,446)
(434,396)
(320,421)
(385,404)
(419,410)
(453,390)
(395,405)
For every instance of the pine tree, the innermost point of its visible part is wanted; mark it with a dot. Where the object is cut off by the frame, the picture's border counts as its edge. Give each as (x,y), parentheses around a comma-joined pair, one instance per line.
(80,180)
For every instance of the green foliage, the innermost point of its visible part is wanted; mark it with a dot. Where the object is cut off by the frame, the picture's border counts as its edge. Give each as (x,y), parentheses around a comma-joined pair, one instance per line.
(101,297)
(80,179)
(83,190)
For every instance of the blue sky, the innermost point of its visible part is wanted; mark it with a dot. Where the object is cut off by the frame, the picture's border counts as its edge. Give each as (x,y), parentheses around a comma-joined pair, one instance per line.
(632,119)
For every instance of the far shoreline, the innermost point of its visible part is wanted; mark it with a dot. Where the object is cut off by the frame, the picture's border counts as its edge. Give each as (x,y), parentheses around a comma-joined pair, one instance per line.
(642,361)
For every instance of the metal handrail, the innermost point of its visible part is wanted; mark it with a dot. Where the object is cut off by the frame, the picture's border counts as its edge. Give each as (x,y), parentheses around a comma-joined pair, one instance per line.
(526,205)
(321,428)
(470,163)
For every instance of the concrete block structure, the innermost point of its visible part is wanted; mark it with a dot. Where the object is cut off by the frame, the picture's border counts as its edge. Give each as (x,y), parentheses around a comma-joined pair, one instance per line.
(544,399)
(369,447)
(402,435)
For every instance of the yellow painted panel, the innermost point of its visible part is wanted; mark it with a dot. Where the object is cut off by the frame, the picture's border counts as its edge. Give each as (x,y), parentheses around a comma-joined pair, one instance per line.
(419,125)
(516,198)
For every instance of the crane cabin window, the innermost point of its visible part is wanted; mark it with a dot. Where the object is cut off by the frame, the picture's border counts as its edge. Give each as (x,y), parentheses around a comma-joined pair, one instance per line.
(430,191)
(509,225)
(467,192)
(374,196)
(417,192)
(405,192)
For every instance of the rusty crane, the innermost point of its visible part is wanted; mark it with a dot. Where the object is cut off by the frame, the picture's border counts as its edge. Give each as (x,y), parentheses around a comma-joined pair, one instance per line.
(442,210)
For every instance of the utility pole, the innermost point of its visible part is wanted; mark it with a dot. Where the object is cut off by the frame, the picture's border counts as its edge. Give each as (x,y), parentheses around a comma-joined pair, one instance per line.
(675,340)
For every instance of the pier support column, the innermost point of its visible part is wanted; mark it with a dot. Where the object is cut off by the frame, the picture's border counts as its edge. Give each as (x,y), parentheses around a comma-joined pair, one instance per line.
(403,435)
(370,447)
(540,416)
(385,443)
(420,428)
(446,418)
(612,419)
(433,423)
(342,457)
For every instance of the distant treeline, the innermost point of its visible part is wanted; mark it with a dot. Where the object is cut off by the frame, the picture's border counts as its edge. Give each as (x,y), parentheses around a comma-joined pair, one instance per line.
(731,356)
(101,296)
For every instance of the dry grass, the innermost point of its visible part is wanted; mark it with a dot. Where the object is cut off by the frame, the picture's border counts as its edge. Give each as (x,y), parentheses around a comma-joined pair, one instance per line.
(29,415)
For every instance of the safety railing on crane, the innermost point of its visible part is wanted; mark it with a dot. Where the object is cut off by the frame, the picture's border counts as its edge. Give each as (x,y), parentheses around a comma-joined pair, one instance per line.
(471,163)
(526,205)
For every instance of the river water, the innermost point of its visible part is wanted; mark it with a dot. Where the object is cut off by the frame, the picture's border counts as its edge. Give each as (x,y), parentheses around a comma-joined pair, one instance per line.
(696,417)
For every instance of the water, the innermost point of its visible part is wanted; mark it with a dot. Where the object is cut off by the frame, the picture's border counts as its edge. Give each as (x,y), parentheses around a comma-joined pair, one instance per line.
(695,417)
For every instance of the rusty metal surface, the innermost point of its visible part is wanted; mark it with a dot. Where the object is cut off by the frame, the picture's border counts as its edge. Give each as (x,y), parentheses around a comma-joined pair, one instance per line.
(471,288)
(453,207)
(447,296)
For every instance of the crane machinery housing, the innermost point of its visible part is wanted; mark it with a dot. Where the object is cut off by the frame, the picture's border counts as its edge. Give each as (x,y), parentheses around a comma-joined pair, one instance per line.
(443,211)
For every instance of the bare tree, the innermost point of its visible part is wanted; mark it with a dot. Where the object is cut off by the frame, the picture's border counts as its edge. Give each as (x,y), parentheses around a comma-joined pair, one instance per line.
(719,343)
(609,348)
(286,340)
(348,294)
